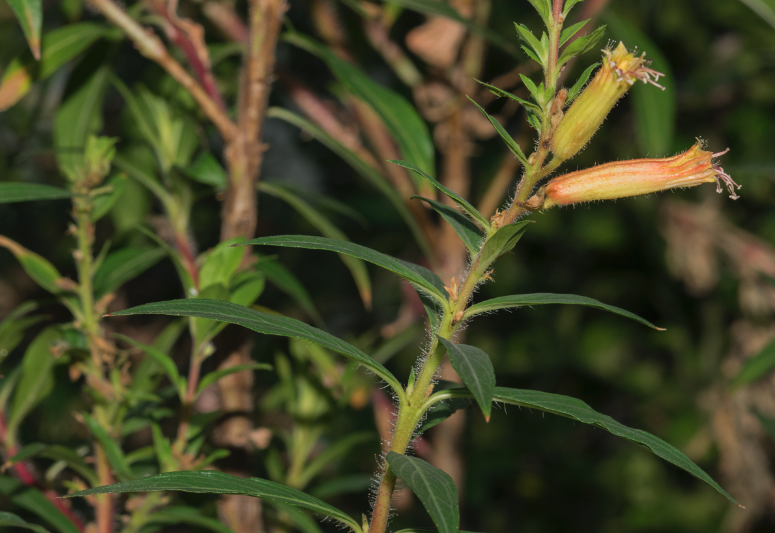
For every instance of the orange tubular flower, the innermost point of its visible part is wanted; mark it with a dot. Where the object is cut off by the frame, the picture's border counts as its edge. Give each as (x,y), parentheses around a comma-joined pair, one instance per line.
(619,72)
(638,176)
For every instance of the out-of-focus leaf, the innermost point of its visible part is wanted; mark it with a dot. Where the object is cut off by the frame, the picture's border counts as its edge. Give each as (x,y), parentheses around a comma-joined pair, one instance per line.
(442,9)
(58,47)
(655,110)
(475,369)
(212,377)
(186,515)
(113,451)
(367,172)
(37,378)
(468,232)
(57,453)
(212,482)
(764,8)
(206,169)
(328,229)
(124,265)
(756,367)
(343,485)
(418,276)
(103,203)
(164,361)
(261,323)
(434,487)
(440,411)
(399,116)
(183,273)
(38,268)
(14,325)
(32,500)
(79,116)
(303,521)
(23,192)
(220,264)
(287,282)
(11,520)
(30,15)
(542,298)
(334,452)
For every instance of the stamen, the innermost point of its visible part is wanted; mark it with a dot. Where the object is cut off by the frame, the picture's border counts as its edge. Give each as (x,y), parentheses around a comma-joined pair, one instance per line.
(728,181)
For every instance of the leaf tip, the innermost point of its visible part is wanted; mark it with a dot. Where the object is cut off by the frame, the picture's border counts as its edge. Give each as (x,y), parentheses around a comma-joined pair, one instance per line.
(741,506)
(660,329)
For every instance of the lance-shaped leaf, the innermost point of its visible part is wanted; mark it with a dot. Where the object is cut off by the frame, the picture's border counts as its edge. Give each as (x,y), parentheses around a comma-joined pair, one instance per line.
(30,15)
(540,51)
(321,223)
(37,267)
(756,367)
(580,45)
(468,232)
(366,171)
(497,91)
(57,453)
(434,487)
(570,31)
(574,91)
(543,298)
(577,410)
(442,410)
(211,482)
(475,369)
(113,450)
(124,265)
(399,116)
(25,192)
(510,142)
(503,241)
(214,376)
(284,279)
(459,200)
(266,323)
(11,520)
(34,501)
(166,363)
(420,277)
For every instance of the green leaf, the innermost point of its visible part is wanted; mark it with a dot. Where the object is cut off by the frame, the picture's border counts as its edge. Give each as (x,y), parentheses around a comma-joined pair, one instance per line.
(162,359)
(11,520)
(23,192)
(321,223)
(570,31)
(434,487)
(580,83)
(442,9)
(13,326)
(57,453)
(333,453)
(34,501)
(526,35)
(536,92)
(186,515)
(220,264)
(510,142)
(500,92)
(366,171)
(418,276)
(756,367)
(300,518)
(124,265)
(355,483)
(655,110)
(30,15)
(476,370)
(568,6)
(580,46)
(580,411)
(399,116)
(180,268)
(37,379)
(468,232)
(459,200)
(544,8)
(502,242)
(287,282)
(102,204)
(542,298)
(212,377)
(38,268)
(442,410)
(212,482)
(261,323)
(113,451)
(206,169)
(79,116)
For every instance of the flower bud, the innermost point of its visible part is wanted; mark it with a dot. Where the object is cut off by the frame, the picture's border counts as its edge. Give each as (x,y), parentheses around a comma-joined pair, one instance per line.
(619,72)
(638,176)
